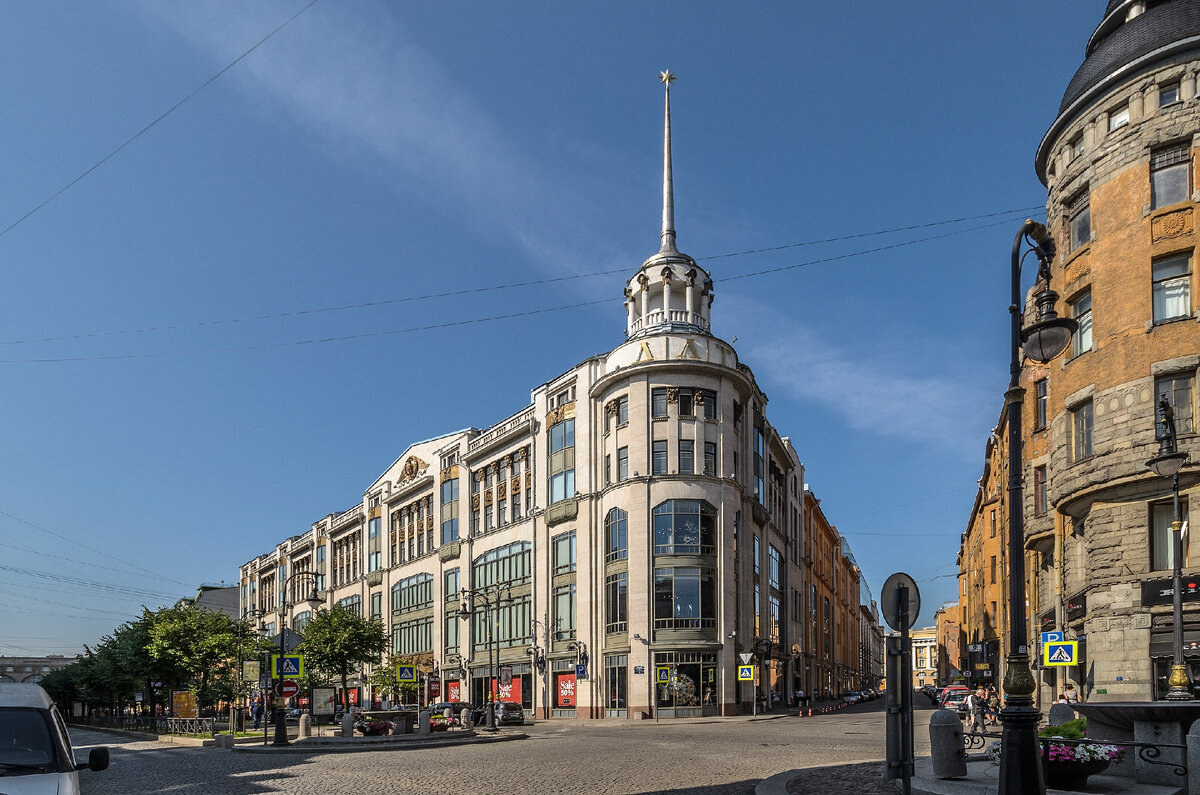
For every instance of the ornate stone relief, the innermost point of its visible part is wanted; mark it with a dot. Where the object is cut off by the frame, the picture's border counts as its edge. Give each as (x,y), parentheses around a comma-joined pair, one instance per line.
(672,394)
(1171,225)
(413,469)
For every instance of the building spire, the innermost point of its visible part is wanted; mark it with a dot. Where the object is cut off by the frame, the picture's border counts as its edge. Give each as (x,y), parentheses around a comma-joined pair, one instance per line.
(668,215)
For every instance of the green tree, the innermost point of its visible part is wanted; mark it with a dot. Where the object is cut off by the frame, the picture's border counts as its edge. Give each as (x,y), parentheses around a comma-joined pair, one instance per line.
(384,680)
(200,645)
(337,642)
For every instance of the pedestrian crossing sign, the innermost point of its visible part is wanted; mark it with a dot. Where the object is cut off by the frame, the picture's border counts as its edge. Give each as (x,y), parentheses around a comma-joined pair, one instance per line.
(1060,653)
(663,674)
(406,674)
(287,666)
(745,673)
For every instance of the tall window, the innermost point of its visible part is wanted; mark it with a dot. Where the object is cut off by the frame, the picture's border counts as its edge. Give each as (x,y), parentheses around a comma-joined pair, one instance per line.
(684,527)
(616,614)
(760,452)
(352,603)
(374,554)
(413,637)
(1041,404)
(450,632)
(658,402)
(1178,389)
(773,617)
(687,456)
(1079,216)
(710,458)
(1162,544)
(450,511)
(687,403)
(1081,310)
(450,581)
(710,403)
(564,552)
(1081,431)
(622,463)
(564,611)
(412,593)
(506,565)
(1169,177)
(1039,490)
(562,460)
(320,556)
(616,540)
(658,458)
(993,567)
(622,410)
(774,566)
(377,606)
(1172,287)
(615,681)
(684,598)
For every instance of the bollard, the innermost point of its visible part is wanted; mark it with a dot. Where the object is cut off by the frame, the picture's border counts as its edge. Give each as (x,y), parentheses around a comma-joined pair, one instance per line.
(1060,714)
(305,728)
(946,745)
(348,725)
(423,722)
(464,719)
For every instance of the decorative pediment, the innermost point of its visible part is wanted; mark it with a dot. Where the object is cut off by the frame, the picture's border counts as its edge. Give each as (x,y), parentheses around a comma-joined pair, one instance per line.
(413,469)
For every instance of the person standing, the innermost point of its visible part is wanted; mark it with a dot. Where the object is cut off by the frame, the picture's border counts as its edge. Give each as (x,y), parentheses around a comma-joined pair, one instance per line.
(1071,695)
(993,705)
(976,709)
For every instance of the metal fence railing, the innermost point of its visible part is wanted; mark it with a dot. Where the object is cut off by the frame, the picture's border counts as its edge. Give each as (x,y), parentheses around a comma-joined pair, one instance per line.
(205,727)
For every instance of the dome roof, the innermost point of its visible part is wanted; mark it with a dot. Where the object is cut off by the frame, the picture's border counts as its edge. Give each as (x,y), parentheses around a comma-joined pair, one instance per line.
(1118,43)
(1120,49)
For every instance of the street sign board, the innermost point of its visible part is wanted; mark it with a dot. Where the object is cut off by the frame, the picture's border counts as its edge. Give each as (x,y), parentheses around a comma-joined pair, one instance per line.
(975,648)
(745,673)
(287,688)
(581,671)
(662,674)
(1061,653)
(890,600)
(286,666)
(291,641)
(1052,637)
(251,670)
(406,673)
(745,657)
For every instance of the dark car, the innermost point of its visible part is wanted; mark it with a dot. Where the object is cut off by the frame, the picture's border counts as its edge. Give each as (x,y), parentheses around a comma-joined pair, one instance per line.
(456,708)
(509,713)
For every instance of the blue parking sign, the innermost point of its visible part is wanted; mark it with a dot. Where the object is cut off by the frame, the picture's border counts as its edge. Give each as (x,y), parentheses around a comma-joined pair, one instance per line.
(1052,637)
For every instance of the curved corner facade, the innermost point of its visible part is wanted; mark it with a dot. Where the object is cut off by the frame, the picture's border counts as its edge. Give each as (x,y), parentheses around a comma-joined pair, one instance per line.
(1120,166)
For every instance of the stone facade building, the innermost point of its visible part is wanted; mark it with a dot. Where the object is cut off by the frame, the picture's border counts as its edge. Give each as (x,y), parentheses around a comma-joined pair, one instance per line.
(1119,164)
(31,669)
(638,525)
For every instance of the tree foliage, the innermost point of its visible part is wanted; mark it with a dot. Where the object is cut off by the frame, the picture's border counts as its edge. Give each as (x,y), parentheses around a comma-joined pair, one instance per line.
(337,642)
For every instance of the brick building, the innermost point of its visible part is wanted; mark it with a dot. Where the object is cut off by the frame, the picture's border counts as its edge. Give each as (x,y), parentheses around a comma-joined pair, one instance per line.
(1119,165)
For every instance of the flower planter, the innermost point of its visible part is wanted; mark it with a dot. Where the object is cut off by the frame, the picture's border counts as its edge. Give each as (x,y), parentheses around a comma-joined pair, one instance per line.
(1071,775)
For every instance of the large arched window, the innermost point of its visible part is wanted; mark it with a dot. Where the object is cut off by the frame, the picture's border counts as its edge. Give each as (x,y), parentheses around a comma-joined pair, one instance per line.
(616,535)
(685,527)
(412,593)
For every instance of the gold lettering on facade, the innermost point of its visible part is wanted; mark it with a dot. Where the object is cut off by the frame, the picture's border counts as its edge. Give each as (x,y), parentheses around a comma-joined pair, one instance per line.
(644,354)
(689,350)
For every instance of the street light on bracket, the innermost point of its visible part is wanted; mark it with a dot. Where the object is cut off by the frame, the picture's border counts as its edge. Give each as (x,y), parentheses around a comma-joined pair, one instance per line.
(313,601)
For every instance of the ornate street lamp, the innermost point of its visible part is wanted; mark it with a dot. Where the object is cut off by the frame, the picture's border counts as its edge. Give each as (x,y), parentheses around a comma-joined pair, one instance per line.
(313,601)
(1167,464)
(1020,756)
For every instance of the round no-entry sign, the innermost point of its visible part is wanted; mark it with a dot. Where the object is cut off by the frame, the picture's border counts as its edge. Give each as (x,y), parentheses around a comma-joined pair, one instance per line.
(287,688)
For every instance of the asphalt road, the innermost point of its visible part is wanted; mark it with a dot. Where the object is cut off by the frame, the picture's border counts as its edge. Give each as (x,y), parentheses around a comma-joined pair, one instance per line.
(598,757)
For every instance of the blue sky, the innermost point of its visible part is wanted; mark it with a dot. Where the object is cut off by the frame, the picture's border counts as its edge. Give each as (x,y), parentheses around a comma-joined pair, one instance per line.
(174,404)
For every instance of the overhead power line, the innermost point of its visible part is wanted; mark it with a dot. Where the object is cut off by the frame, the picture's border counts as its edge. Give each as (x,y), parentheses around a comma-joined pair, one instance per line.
(496,287)
(472,321)
(146,129)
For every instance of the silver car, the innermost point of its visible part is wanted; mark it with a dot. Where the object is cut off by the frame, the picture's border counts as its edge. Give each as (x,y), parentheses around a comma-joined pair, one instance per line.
(35,749)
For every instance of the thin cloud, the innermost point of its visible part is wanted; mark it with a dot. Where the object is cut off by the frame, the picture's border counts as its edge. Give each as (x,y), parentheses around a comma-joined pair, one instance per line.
(389,107)
(869,392)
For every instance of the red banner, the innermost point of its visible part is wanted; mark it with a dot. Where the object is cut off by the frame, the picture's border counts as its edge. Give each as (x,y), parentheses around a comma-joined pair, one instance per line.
(564,690)
(453,690)
(435,689)
(510,692)
(353,696)
(304,701)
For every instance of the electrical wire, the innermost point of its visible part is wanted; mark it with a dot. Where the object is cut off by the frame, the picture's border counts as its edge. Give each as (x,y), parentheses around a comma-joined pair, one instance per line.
(145,129)
(473,321)
(102,586)
(505,286)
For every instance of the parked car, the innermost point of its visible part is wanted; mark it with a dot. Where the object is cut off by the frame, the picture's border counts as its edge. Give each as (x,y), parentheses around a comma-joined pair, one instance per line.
(456,708)
(956,701)
(35,749)
(509,713)
(852,697)
(952,689)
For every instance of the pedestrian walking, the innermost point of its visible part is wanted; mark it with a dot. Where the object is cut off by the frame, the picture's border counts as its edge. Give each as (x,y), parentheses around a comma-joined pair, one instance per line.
(976,709)
(993,704)
(1071,695)
(257,711)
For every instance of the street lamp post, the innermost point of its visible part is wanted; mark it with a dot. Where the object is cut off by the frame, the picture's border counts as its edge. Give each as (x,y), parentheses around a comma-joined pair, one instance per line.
(1167,463)
(314,601)
(490,595)
(537,656)
(763,659)
(1020,756)
(235,706)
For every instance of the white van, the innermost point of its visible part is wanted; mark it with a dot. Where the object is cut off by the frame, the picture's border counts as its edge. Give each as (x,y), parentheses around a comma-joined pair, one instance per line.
(35,750)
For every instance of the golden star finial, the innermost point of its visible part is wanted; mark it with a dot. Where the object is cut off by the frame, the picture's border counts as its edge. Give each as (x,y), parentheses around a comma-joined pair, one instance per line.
(667,77)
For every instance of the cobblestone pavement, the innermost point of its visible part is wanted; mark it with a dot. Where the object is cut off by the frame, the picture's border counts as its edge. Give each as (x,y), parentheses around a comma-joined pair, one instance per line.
(702,757)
